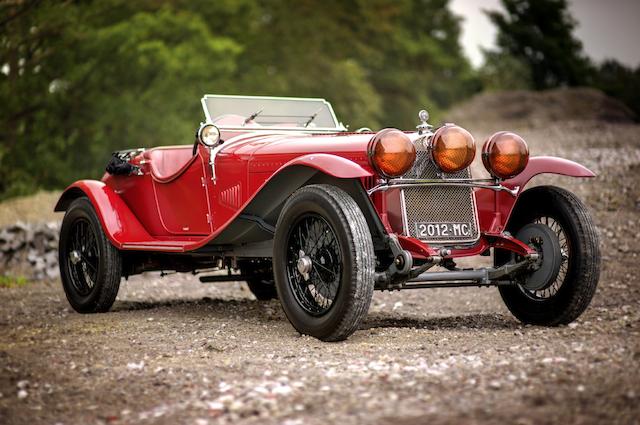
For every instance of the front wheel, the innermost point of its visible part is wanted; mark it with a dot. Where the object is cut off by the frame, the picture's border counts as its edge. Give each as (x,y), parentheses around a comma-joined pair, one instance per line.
(323,262)
(559,226)
(90,267)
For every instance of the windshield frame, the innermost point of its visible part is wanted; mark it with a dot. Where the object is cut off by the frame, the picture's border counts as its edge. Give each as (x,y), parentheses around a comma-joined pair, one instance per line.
(338,126)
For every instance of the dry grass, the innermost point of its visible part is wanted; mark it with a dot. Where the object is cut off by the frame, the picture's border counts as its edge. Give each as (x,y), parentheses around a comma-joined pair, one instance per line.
(36,208)
(537,109)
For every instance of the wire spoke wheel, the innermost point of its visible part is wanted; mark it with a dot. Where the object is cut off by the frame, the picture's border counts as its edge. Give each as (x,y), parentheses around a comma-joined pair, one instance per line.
(323,262)
(313,265)
(90,266)
(83,257)
(558,225)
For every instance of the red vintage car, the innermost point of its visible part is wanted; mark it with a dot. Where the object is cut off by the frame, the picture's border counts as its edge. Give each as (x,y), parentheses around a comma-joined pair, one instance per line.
(279,193)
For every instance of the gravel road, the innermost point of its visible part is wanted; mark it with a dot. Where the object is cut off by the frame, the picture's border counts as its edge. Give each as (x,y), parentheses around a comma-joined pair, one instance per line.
(174,350)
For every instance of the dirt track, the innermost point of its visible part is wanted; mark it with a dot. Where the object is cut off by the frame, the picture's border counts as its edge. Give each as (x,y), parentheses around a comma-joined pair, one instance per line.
(176,351)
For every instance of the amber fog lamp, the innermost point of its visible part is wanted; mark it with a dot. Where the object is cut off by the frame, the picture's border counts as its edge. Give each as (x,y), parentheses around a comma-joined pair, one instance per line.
(452,148)
(391,152)
(505,155)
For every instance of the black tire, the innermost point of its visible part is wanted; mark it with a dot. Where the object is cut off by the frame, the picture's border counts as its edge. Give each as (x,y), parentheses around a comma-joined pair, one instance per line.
(343,237)
(260,280)
(567,297)
(90,267)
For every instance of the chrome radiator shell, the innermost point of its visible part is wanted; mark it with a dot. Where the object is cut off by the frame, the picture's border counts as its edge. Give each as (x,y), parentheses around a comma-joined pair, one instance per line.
(438,204)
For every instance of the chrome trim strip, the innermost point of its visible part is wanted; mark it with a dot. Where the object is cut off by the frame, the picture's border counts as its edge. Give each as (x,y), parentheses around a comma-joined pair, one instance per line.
(406,183)
(203,102)
(405,219)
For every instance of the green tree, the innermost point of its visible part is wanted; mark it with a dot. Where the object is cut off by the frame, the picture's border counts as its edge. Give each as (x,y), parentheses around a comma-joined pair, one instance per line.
(79,79)
(504,72)
(414,58)
(539,33)
(308,48)
(375,60)
(90,78)
(621,82)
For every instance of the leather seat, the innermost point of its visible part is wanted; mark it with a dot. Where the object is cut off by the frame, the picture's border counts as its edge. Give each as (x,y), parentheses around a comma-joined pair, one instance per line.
(168,163)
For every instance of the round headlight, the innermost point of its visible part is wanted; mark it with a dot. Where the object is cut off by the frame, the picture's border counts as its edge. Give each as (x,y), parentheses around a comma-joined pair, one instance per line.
(505,155)
(209,135)
(391,152)
(452,148)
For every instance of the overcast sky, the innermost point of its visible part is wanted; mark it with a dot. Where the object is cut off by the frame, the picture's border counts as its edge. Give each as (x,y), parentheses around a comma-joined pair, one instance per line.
(607,28)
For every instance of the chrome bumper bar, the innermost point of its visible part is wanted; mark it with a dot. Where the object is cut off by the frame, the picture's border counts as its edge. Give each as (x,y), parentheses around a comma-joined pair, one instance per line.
(490,184)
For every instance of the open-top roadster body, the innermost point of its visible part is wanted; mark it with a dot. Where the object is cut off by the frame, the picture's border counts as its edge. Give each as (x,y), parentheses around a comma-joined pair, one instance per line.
(278,193)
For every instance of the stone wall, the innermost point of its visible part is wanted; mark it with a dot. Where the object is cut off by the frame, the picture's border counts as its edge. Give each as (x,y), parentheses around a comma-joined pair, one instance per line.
(30,250)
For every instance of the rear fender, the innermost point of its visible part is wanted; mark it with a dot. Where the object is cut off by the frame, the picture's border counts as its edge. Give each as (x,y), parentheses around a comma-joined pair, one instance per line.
(495,208)
(119,224)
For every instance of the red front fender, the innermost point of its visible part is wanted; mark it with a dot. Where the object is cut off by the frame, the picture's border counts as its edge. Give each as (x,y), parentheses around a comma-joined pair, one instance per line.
(549,165)
(494,208)
(333,165)
(118,222)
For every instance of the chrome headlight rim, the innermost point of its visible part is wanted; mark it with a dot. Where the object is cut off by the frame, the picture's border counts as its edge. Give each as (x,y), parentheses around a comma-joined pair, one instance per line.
(208,134)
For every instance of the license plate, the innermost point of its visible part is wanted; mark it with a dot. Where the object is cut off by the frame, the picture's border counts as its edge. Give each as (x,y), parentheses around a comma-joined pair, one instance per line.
(440,230)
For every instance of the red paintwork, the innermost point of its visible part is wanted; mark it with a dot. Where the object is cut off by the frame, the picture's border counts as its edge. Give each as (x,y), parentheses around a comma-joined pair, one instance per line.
(115,216)
(169,163)
(422,250)
(494,208)
(177,205)
(164,201)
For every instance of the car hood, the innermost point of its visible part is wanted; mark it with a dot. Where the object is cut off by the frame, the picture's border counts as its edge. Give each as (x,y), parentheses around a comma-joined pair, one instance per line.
(285,143)
(269,151)
(265,148)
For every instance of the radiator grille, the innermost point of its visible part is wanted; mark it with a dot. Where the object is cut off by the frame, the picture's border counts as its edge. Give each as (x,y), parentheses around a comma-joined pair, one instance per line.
(438,204)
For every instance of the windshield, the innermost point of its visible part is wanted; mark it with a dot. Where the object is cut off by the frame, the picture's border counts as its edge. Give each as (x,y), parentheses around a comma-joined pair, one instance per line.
(285,113)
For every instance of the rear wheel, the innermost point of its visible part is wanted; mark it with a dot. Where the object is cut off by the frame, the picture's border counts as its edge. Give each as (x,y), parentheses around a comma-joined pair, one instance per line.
(323,262)
(559,226)
(90,267)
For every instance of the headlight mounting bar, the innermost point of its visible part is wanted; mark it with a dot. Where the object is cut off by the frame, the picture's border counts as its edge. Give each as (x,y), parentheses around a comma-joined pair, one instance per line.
(490,184)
